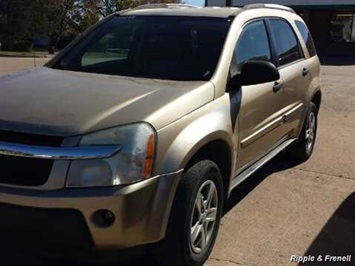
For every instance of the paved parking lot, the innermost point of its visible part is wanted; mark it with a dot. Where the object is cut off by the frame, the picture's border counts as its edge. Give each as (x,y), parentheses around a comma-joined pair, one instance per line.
(285,209)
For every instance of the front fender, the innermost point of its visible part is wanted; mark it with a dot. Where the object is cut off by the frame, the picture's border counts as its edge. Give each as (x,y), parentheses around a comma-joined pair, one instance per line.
(179,141)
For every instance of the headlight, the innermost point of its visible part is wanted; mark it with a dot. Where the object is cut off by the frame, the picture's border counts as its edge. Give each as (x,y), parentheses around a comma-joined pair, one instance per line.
(132,163)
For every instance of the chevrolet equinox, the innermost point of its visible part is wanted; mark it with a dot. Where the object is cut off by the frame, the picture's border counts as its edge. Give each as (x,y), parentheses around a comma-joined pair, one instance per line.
(137,132)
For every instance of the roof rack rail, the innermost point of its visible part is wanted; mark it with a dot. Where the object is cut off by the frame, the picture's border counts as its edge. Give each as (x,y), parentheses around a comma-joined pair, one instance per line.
(272,6)
(162,5)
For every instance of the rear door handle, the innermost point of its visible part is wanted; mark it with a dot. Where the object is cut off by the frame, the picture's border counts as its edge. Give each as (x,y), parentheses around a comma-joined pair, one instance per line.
(305,72)
(277,86)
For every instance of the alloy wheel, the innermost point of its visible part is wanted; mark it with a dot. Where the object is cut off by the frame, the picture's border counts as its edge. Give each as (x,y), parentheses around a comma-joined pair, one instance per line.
(310,131)
(204,216)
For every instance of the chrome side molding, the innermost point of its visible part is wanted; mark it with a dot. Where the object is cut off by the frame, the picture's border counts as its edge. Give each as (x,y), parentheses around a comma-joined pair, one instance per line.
(293,112)
(58,153)
(262,132)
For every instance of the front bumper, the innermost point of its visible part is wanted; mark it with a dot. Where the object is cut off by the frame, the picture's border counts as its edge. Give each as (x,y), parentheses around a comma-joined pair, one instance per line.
(141,214)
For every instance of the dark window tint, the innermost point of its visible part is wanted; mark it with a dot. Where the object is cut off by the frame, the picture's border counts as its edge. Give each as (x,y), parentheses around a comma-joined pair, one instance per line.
(306,37)
(177,48)
(253,44)
(287,48)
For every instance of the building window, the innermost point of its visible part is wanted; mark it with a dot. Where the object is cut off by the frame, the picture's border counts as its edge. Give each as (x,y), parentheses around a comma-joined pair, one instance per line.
(342,27)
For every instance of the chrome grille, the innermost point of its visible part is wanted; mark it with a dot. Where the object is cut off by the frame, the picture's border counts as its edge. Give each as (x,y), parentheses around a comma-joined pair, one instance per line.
(26,171)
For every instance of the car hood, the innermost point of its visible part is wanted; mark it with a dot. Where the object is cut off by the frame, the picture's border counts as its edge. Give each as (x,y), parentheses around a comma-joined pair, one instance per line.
(56,102)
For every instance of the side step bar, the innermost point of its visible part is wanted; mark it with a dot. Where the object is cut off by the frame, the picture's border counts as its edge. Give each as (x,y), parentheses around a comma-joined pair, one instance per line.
(258,164)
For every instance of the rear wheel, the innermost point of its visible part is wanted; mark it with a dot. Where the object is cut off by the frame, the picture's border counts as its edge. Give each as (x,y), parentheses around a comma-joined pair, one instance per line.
(302,149)
(195,217)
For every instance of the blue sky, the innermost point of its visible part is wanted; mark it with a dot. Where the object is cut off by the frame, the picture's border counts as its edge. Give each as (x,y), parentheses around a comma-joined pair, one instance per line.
(195,2)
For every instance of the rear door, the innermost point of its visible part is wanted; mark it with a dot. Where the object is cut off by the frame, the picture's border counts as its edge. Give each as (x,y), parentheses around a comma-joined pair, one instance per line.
(294,70)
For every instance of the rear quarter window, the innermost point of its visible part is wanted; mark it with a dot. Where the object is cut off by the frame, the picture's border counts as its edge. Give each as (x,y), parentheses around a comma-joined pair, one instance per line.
(306,37)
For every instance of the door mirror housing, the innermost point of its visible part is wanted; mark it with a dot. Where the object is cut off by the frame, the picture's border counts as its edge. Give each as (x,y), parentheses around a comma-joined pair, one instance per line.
(255,72)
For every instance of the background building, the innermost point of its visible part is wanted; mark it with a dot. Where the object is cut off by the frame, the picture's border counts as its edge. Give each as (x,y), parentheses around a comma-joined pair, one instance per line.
(331,22)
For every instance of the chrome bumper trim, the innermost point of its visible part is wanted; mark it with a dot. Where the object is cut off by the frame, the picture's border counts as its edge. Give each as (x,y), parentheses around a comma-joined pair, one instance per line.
(58,153)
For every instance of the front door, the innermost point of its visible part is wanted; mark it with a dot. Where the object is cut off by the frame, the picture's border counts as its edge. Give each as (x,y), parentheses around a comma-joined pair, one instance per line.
(259,119)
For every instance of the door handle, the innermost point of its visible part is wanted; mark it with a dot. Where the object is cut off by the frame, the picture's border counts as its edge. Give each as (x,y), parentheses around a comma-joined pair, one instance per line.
(277,86)
(305,72)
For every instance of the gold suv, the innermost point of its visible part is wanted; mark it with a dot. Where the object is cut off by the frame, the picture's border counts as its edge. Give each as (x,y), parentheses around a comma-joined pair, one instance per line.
(138,131)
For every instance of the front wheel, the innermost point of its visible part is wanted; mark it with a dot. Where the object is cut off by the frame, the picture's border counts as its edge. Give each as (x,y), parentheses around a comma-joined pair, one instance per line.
(302,149)
(195,217)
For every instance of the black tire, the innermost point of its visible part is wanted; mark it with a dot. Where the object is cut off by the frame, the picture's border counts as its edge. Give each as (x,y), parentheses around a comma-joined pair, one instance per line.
(177,249)
(302,149)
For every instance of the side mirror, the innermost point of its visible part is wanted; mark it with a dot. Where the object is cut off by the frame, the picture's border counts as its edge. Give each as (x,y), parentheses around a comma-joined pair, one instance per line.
(255,72)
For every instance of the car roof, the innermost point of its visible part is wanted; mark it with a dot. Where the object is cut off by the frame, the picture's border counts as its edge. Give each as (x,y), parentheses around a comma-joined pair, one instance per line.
(218,12)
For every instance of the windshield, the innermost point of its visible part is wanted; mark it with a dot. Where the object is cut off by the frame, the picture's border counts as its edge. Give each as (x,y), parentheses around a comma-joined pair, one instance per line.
(162,47)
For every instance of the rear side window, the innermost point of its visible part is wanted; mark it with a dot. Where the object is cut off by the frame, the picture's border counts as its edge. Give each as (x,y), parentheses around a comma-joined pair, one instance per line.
(306,37)
(286,44)
(253,44)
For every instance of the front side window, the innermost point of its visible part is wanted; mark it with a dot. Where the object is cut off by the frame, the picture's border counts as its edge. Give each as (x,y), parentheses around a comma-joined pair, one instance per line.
(286,44)
(342,27)
(307,38)
(162,47)
(253,44)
